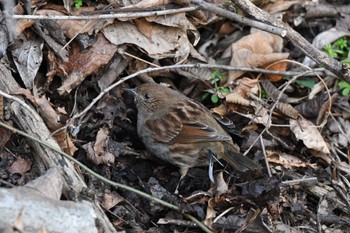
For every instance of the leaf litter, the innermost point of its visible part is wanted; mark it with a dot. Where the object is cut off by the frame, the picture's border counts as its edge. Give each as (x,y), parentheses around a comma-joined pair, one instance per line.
(295,132)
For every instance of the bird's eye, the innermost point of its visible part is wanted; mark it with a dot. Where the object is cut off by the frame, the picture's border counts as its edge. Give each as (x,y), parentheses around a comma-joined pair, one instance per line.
(147,96)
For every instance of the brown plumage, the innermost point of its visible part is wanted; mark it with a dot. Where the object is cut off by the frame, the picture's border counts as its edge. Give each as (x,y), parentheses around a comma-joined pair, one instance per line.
(181,131)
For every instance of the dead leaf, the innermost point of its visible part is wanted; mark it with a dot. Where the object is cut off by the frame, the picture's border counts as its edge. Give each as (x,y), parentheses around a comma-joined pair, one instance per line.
(83,63)
(51,119)
(98,152)
(28,57)
(72,28)
(149,3)
(211,213)
(111,199)
(167,42)
(279,6)
(280,66)
(285,160)
(255,50)
(246,86)
(220,184)
(20,166)
(5,135)
(306,131)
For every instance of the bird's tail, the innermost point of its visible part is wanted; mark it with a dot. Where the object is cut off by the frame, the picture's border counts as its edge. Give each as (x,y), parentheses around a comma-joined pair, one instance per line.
(239,161)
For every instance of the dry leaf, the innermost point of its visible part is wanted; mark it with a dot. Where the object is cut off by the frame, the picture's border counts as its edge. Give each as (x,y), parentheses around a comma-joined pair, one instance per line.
(20,166)
(287,110)
(247,86)
(285,160)
(28,57)
(83,63)
(279,6)
(255,50)
(5,135)
(71,28)
(280,66)
(51,119)
(166,42)
(111,199)
(306,131)
(98,153)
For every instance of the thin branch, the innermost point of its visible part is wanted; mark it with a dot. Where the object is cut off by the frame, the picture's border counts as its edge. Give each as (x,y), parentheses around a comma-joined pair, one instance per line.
(106,16)
(239,18)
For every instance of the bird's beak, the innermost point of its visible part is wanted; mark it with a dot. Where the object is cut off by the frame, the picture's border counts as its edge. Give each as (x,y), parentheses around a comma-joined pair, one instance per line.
(131,91)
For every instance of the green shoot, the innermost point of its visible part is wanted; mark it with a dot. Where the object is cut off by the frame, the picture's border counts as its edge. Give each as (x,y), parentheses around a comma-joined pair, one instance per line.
(78,4)
(346,88)
(217,92)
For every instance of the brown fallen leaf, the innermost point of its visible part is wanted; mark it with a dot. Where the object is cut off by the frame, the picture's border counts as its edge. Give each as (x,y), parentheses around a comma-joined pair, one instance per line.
(255,50)
(285,160)
(83,63)
(306,131)
(98,152)
(51,119)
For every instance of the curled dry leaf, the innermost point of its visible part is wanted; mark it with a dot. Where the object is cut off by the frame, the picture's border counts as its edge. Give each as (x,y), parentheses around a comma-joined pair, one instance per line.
(84,62)
(234,98)
(279,6)
(98,152)
(272,91)
(287,110)
(51,119)
(28,57)
(285,160)
(211,213)
(280,66)
(306,131)
(71,28)
(158,41)
(111,199)
(255,50)
(147,3)
(20,166)
(221,186)
(246,86)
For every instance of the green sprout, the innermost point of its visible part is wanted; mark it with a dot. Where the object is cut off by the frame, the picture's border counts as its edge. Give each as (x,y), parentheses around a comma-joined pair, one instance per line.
(78,4)
(346,88)
(217,91)
(339,49)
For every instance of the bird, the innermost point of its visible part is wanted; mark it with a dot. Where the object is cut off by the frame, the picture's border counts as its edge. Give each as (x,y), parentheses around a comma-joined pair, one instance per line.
(182,131)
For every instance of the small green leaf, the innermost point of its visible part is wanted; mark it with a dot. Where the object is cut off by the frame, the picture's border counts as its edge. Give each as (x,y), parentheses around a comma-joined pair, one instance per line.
(214,99)
(344,85)
(345,91)
(78,4)
(347,60)
(309,83)
(224,89)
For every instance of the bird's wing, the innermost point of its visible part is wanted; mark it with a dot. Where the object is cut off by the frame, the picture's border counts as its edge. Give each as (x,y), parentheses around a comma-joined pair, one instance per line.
(182,125)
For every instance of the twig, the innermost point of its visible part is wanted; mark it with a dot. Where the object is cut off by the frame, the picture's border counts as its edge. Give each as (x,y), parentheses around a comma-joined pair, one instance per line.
(298,181)
(265,156)
(98,176)
(239,18)
(26,106)
(105,16)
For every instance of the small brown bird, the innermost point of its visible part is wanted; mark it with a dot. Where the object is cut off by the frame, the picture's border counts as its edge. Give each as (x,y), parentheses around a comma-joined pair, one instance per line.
(181,131)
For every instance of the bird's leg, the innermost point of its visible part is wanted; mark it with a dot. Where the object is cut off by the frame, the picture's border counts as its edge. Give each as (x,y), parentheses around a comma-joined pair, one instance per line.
(183,173)
(211,167)
(211,158)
